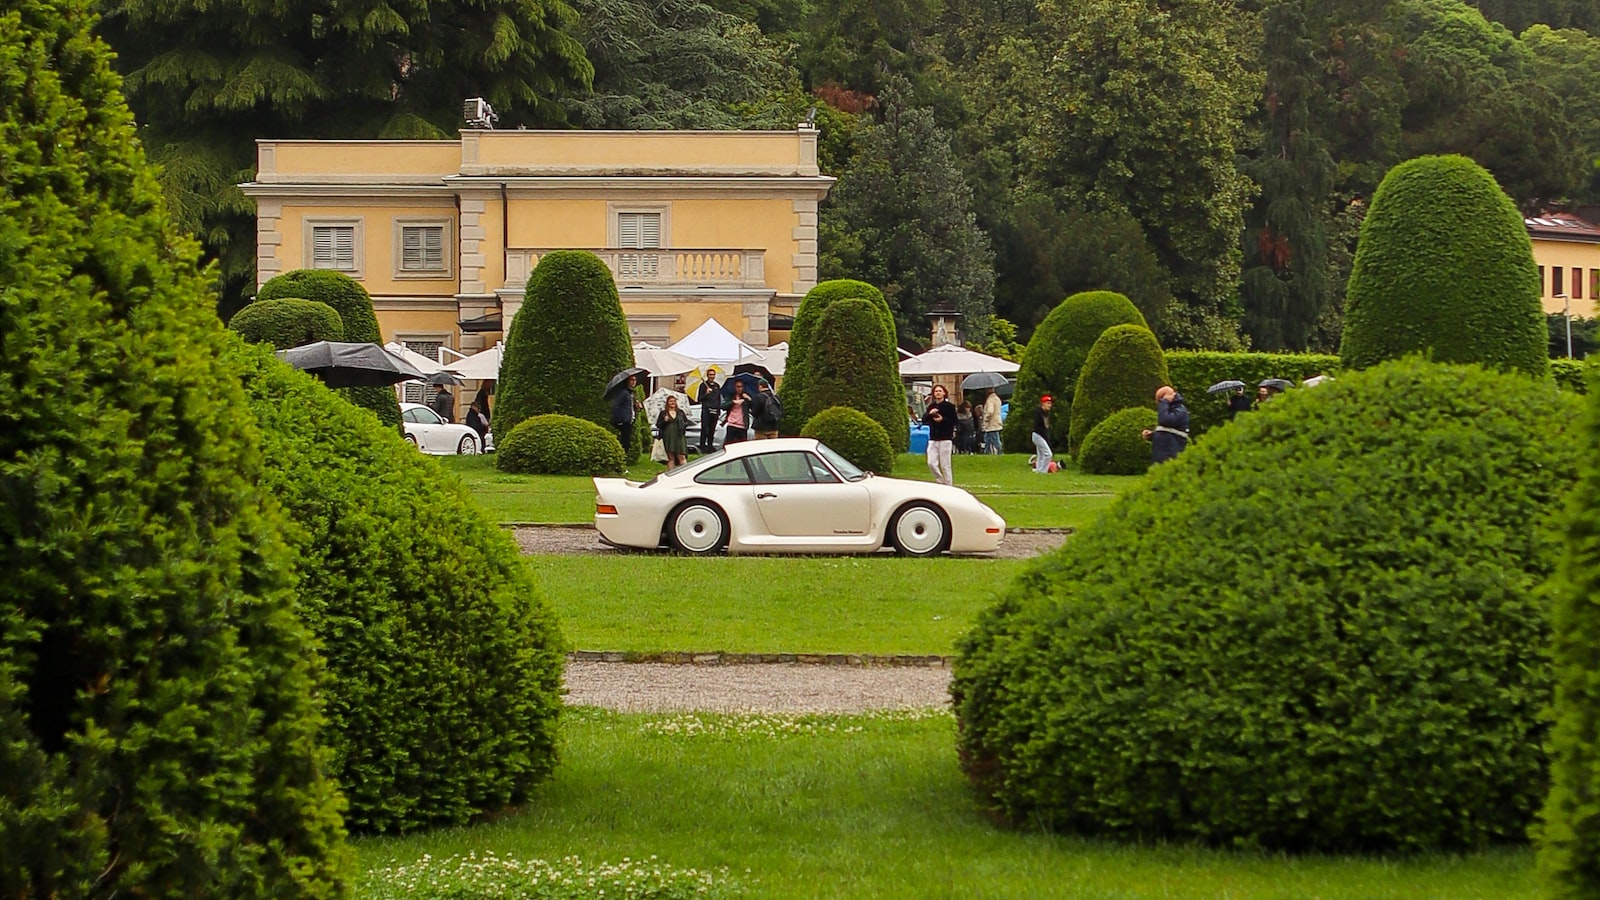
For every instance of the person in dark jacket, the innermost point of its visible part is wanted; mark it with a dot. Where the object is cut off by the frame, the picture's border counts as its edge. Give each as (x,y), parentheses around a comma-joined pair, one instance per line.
(966,429)
(766,412)
(1239,402)
(941,421)
(444,403)
(736,413)
(1171,433)
(1041,435)
(624,410)
(478,422)
(710,399)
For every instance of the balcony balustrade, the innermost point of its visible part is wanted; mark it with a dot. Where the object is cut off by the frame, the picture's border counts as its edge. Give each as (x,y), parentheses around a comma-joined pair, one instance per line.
(676,268)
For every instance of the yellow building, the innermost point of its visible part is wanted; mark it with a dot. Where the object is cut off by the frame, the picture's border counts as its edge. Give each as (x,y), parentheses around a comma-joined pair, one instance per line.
(1567,250)
(443,234)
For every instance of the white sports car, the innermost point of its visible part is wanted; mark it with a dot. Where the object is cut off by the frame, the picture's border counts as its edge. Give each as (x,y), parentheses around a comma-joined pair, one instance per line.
(430,433)
(790,495)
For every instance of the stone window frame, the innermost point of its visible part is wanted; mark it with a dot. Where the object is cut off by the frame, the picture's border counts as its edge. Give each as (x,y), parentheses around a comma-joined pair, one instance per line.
(358,226)
(447,244)
(615,209)
(442,338)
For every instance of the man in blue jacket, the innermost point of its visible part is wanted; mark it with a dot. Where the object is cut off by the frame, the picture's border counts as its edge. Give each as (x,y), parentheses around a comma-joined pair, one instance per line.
(1171,433)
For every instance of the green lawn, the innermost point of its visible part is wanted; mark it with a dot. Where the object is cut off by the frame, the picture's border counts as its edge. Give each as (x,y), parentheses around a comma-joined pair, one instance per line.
(875,807)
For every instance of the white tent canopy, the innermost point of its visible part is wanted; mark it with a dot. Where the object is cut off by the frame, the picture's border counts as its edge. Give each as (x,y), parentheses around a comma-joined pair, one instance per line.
(419,362)
(713,343)
(480,366)
(662,363)
(774,358)
(949,359)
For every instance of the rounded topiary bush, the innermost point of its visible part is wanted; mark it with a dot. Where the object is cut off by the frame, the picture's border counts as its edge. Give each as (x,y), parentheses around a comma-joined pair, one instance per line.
(855,436)
(1123,370)
(1444,267)
(158,727)
(1117,446)
(797,368)
(852,366)
(287,323)
(553,444)
(1322,628)
(442,659)
(1055,354)
(354,306)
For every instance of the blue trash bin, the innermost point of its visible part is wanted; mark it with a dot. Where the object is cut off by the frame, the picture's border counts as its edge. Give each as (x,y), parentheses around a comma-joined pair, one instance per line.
(919,439)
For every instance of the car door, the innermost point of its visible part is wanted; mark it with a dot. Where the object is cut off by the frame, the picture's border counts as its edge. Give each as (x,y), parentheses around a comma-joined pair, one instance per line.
(800,497)
(430,431)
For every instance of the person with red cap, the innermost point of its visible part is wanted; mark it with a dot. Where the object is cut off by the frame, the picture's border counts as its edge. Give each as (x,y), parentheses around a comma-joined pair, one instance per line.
(1041,435)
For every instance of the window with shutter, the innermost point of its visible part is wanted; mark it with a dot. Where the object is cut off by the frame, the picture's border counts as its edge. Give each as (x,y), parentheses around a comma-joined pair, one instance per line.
(422,248)
(638,231)
(416,391)
(333,247)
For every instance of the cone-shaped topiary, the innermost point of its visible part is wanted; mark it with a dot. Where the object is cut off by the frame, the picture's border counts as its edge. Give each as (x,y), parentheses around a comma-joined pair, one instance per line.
(1117,445)
(157,727)
(851,366)
(1054,355)
(797,368)
(443,660)
(1444,267)
(855,436)
(1569,853)
(287,322)
(1123,370)
(567,341)
(1322,628)
(354,306)
(553,444)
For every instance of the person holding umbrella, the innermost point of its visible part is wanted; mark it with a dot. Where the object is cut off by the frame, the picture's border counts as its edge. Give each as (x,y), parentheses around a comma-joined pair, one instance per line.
(710,399)
(736,412)
(625,407)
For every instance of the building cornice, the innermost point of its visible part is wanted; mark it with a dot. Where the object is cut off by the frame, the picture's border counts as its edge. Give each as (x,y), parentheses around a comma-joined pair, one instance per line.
(353,189)
(557,187)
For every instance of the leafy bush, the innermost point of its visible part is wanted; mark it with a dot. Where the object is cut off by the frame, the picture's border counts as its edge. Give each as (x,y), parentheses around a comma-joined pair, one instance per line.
(1570,374)
(850,367)
(1193,371)
(797,369)
(487,875)
(287,322)
(443,661)
(1444,267)
(568,340)
(350,300)
(1055,354)
(1319,629)
(157,722)
(553,444)
(1123,370)
(1117,446)
(856,437)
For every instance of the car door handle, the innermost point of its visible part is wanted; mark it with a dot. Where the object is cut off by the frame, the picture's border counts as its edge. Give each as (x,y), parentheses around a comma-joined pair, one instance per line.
(766,496)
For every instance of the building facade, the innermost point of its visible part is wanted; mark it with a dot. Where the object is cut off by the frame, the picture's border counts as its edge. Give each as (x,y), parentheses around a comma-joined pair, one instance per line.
(1567,250)
(443,234)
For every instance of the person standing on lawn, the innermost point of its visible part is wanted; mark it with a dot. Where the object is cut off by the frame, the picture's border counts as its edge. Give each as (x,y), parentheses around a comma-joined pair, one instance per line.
(673,426)
(766,412)
(710,400)
(966,429)
(990,424)
(737,415)
(1171,433)
(625,410)
(1041,435)
(941,421)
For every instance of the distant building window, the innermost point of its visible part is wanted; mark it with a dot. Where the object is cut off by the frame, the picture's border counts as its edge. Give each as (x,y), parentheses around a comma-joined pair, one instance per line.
(1541,281)
(1594,283)
(1577,283)
(422,248)
(333,247)
(1555,281)
(639,231)
(416,391)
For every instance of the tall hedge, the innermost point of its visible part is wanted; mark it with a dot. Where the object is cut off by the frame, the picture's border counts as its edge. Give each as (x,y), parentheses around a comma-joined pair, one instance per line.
(851,366)
(157,727)
(1050,365)
(564,345)
(1569,854)
(1570,374)
(287,323)
(797,368)
(1322,628)
(443,660)
(1444,267)
(354,306)
(1193,371)
(1123,370)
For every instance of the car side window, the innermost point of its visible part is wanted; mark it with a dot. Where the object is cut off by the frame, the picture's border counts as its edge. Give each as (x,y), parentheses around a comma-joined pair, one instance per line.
(789,467)
(410,415)
(730,472)
(820,471)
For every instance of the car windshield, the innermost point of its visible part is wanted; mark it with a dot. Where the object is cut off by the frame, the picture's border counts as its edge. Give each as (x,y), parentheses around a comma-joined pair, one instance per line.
(697,465)
(846,468)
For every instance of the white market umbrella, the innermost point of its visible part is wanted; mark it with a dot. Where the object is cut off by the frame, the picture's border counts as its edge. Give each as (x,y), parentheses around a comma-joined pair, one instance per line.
(479,366)
(419,362)
(662,363)
(774,358)
(950,359)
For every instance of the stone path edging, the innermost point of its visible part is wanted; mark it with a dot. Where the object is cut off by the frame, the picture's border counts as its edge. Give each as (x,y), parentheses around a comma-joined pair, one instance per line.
(867,660)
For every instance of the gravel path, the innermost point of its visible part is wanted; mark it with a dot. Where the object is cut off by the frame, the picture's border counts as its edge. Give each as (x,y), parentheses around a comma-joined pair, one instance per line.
(771,688)
(565,540)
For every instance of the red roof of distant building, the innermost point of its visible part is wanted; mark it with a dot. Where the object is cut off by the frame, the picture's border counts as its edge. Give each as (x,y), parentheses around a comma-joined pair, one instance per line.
(1561,227)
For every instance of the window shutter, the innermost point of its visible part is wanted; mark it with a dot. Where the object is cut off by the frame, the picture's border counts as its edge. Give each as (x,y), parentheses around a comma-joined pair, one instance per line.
(649,230)
(638,231)
(628,230)
(333,247)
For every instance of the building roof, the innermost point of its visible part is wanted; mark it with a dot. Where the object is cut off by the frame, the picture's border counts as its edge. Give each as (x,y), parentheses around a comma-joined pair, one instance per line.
(1561,227)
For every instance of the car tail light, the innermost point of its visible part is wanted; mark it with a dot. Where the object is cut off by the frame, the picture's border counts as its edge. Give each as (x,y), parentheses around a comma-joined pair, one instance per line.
(991,531)
(604,509)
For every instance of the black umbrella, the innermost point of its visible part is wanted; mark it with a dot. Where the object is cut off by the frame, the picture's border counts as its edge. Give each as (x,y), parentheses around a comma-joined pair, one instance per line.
(621,378)
(752,383)
(754,369)
(444,378)
(1277,384)
(341,364)
(979,381)
(1224,386)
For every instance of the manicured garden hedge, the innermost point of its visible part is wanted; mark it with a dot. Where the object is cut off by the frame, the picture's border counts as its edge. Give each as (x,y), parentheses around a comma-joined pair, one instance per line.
(1193,371)
(1571,374)
(856,437)
(158,729)
(1055,354)
(287,322)
(443,661)
(1123,370)
(851,367)
(553,444)
(1444,267)
(351,301)
(797,368)
(1117,445)
(1322,628)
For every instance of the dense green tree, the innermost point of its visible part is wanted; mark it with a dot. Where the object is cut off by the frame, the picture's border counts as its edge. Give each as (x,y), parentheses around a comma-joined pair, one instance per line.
(158,730)
(797,371)
(1517,15)
(1567,63)
(1122,371)
(1054,357)
(354,306)
(852,365)
(858,44)
(1002,341)
(287,322)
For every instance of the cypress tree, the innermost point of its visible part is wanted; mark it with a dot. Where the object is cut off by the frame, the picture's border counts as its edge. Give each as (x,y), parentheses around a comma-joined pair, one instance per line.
(287,323)
(849,367)
(797,370)
(1054,355)
(354,306)
(1124,368)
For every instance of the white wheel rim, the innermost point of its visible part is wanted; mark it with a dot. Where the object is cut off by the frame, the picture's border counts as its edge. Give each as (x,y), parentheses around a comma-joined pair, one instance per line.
(697,529)
(468,446)
(919,530)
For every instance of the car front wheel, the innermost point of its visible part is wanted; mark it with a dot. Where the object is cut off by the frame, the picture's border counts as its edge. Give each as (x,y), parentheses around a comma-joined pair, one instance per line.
(468,445)
(919,530)
(411,439)
(698,528)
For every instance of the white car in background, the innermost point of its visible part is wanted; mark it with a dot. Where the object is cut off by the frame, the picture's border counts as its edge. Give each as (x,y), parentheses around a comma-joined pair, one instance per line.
(790,495)
(430,433)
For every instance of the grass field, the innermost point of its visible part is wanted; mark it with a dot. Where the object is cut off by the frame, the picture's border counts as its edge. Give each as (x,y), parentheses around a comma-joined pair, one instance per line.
(875,807)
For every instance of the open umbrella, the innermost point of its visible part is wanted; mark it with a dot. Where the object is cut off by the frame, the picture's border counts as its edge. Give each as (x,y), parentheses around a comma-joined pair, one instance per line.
(442,377)
(621,378)
(754,369)
(1277,384)
(979,381)
(1221,386)
(752,382)
(339,364)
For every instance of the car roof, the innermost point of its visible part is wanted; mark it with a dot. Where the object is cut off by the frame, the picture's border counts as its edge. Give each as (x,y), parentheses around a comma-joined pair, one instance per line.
(749,448)
(404,405)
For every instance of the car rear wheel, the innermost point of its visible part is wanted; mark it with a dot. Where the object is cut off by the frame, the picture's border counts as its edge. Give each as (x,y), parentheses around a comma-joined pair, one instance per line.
(468,445)
(411,439)
(919,530)
(698,527)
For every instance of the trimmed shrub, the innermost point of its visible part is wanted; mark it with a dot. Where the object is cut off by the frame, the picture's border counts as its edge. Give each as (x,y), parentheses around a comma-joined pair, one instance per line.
(553,444)
(564,345)
(855,436)
(1444,267)
(351,301)
(1055,354)
(287,322)
(157,722)
(849,367)
(1117,446)
(1193,371)
(797,369)
(1123,370)
(443,661)
(1320,629)
(1570,374)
